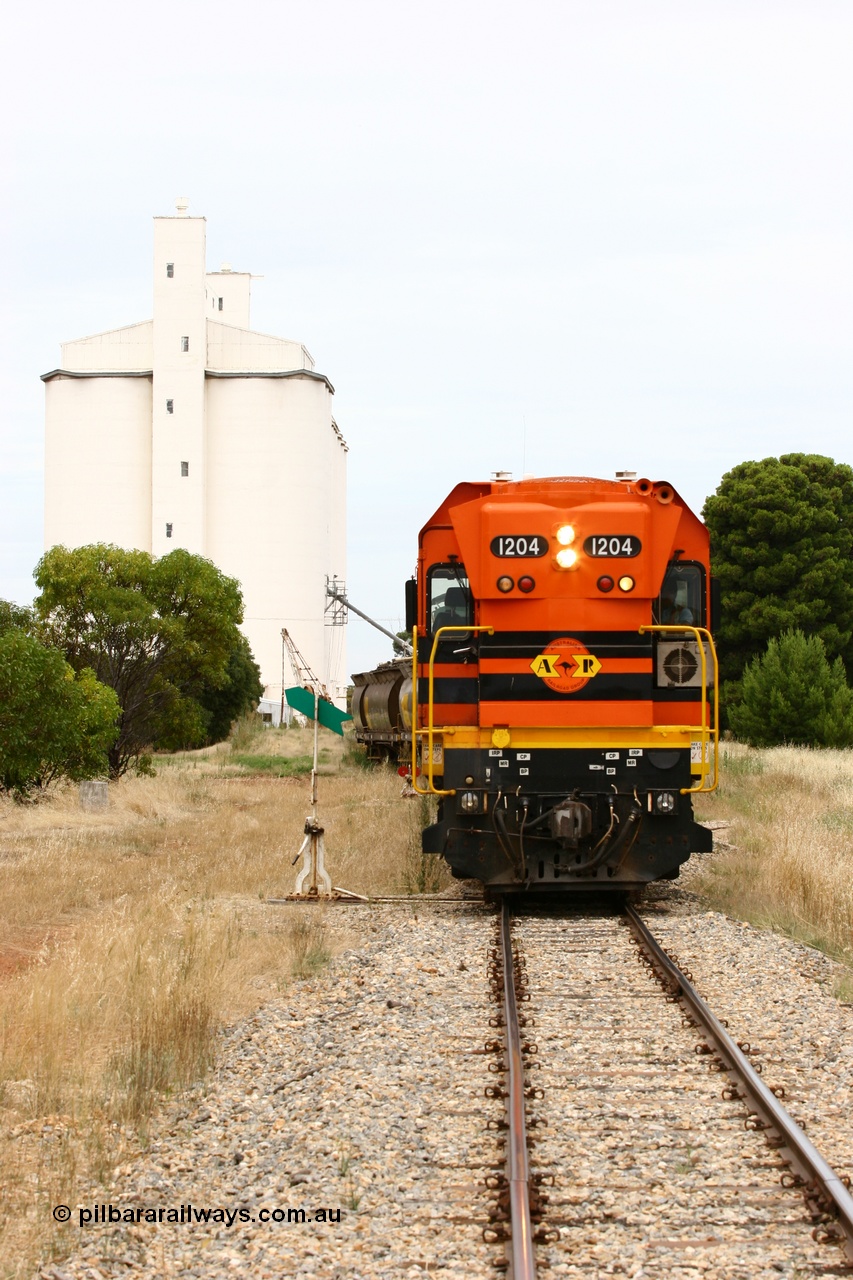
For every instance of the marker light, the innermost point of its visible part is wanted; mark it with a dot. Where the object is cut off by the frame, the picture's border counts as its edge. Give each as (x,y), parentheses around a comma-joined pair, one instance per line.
(505,584)
(605,583)
(565,535)
(626,583)
(566,558)
(526,583)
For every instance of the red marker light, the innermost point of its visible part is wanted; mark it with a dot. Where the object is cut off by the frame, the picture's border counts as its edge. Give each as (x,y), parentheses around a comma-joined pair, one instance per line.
(605,583)
(526,583)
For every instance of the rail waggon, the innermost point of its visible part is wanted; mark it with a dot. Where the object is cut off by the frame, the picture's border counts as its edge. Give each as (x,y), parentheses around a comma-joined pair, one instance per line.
(382,710)
(566,682)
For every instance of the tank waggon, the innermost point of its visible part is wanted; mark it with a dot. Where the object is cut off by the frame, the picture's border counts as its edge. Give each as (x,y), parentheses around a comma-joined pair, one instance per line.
(566,682)
(382,710)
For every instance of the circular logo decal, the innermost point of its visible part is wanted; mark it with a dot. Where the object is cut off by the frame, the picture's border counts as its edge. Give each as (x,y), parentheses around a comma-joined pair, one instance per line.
(572,665)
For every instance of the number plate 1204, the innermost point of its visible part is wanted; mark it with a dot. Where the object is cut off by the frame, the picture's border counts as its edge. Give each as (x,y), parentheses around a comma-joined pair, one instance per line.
(525,545)
(612,545)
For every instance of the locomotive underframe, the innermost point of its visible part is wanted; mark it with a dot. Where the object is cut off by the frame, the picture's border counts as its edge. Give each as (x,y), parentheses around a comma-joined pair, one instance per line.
(566,818)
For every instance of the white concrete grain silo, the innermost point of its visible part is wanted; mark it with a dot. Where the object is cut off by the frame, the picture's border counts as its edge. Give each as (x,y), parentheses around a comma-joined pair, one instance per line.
(191,430)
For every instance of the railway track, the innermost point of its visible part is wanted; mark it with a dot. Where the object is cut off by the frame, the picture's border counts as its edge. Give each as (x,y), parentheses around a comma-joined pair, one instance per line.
(626,1155)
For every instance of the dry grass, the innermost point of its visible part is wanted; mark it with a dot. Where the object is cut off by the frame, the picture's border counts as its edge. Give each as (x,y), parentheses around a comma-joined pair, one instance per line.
(786,860)
(132,934)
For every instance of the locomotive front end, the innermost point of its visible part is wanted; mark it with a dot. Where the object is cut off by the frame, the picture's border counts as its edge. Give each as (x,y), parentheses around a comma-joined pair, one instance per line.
(565,676)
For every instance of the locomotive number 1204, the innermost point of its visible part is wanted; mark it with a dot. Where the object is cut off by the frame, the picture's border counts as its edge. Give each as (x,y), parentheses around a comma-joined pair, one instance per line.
(519,544)
(612,545)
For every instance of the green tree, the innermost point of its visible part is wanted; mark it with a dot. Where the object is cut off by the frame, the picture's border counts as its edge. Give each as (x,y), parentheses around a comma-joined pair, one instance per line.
(16,615)
(794,694)
(243,690)
(782,549)
(53,722)
(158,632)
(400,650)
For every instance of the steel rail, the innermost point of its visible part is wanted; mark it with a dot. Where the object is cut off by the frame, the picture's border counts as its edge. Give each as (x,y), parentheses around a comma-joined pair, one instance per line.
(520,1248)
(795,1147)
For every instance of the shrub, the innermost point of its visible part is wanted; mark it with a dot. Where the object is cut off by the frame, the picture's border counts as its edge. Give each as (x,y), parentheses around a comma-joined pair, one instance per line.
(792,694)
(53,722)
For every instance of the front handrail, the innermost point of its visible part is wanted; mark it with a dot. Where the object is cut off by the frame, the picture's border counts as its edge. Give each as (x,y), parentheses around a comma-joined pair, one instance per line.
(432,790)
(710,733)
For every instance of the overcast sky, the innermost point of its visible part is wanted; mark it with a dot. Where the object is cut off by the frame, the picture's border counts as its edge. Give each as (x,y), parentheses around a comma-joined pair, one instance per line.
(559,237)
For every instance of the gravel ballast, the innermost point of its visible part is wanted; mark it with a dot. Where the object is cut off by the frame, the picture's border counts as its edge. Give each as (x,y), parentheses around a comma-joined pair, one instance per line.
(362,1092)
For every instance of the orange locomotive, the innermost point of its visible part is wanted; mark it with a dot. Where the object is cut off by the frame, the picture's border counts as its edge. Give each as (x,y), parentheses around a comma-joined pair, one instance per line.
(566,682)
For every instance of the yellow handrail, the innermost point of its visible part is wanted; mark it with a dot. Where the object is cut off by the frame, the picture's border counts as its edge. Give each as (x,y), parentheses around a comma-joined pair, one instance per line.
(710,733)
(432,790)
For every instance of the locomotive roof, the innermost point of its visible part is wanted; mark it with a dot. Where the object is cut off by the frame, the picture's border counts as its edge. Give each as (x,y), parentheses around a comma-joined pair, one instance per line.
(542,487)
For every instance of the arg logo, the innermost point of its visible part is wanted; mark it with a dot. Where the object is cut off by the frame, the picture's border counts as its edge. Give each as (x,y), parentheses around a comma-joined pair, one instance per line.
(565,665)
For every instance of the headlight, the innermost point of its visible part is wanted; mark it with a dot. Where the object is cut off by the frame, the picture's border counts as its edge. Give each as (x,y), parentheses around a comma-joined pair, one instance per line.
(664,802)
(566,557)
(565,535)
(469,802)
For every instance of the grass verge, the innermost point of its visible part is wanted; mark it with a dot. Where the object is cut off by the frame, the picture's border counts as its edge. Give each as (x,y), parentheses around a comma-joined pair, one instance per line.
(278,766)
(785,861)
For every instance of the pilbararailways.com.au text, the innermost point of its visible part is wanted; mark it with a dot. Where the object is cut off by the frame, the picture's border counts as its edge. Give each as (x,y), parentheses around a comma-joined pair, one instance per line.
(188,1215)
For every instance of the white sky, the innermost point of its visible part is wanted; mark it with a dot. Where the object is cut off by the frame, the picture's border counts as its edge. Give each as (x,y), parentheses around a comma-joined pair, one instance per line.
(559,237)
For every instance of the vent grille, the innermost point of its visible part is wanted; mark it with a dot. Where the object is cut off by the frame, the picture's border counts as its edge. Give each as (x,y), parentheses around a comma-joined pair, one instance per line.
(679,664)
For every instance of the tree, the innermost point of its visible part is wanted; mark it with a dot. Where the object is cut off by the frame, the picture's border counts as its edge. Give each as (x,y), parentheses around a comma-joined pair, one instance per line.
(16,615)
(782,549)
(243,691)
(158,632)
(793,694)
(404,638)
(52,722)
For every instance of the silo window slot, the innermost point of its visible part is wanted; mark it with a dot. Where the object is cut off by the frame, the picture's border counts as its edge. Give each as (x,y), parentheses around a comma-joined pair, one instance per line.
(185,468)
(168,531)
(185,344)
(170,270)
(170,406)
(220,304)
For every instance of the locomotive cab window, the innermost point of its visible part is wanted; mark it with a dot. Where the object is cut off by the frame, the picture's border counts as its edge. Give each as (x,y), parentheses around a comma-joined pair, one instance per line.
(682,596)
(449,597)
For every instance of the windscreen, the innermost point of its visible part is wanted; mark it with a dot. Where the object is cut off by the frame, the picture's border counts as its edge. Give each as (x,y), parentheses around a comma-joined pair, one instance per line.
(449,599)
(682,596)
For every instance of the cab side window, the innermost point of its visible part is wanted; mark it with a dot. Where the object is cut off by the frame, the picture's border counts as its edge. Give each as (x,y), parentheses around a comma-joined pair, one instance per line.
(682,596)
(449,597)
